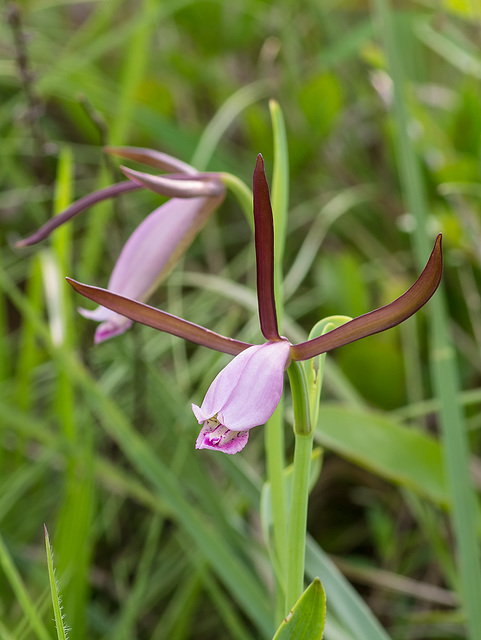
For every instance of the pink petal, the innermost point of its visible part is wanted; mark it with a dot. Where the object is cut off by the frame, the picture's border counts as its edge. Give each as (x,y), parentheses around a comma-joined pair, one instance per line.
(247,391)
(223,384)
(232,443)
(100,314)
(150,252)
(259,389)
(115,326)
(149,249)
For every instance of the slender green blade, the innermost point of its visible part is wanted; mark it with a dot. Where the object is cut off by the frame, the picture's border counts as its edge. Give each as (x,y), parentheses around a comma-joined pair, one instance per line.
(444,367)
(343,599)
(57,607)
(23,599)
(223,119)
(404,455)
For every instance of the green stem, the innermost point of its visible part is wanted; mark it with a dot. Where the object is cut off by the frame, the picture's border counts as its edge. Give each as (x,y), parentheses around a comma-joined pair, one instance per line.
(300,399)
(275,443)
(280,200)
(298,519)
(243,194)
(300,485)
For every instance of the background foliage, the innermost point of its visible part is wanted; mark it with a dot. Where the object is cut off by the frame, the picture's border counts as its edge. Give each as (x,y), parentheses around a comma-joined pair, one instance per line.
(150,539)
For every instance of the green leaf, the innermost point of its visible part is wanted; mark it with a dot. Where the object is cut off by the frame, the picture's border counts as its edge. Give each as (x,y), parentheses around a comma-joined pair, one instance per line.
(57,608)
(280,200)
(22,597)
(404,455)
(344,601)
(280,178)
(306,620)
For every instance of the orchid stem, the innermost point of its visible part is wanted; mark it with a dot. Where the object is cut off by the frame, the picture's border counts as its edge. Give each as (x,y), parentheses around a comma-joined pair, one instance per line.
(275,443)
(304,437)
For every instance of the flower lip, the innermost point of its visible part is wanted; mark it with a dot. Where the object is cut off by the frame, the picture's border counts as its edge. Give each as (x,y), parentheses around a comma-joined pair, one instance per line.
(218,438)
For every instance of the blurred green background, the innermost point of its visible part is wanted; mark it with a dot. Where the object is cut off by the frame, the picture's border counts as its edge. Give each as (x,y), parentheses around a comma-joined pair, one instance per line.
(97,443)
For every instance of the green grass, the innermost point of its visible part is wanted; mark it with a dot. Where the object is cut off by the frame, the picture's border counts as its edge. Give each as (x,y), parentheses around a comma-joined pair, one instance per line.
(152,539)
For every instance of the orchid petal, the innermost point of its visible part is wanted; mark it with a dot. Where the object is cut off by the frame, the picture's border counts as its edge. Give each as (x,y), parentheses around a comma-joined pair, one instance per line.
(157,243)
(217,438)
(179,186)
(151,252)
(381,319)
(77,207)
(160,320)
(247,391)
(264,241)
(152,158)
(114,326)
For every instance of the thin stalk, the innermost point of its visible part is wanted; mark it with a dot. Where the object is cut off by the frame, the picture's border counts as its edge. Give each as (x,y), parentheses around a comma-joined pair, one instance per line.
(242,193)
(298,519)
(444,371)
(275,447)
(304,436)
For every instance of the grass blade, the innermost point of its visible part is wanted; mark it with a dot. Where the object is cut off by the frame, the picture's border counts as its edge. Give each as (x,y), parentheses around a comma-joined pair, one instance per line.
(22,597)
(444,368)
(57,606)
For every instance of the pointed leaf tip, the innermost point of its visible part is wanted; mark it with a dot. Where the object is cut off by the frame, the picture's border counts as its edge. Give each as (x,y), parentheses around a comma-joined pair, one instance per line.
(307,617)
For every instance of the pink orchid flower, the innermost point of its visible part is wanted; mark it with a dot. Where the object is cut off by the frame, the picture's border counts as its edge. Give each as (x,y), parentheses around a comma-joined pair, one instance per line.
(160,239)
(243,395)
(247,391)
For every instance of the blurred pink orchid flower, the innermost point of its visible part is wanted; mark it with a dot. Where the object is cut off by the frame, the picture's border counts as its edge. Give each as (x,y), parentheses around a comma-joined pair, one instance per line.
(160,239)
(247,391)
